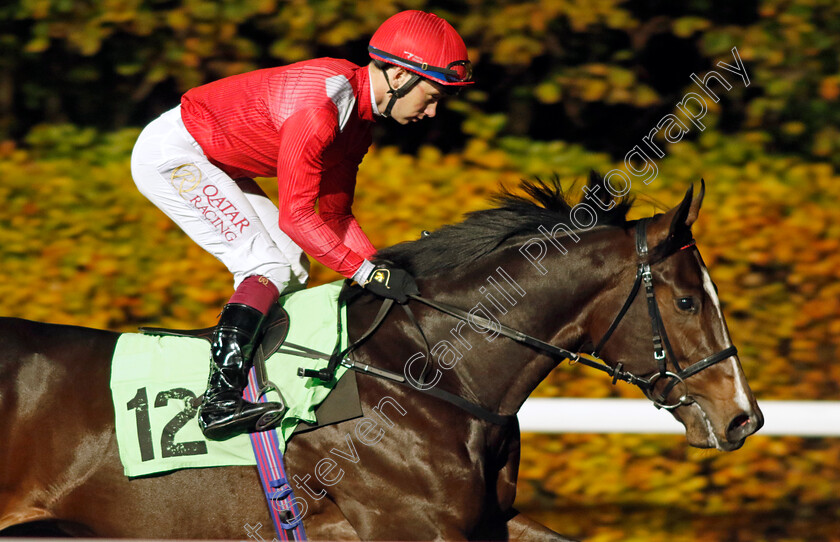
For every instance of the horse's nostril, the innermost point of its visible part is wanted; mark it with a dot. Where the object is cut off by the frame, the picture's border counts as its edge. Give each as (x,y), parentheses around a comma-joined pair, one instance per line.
(738,423)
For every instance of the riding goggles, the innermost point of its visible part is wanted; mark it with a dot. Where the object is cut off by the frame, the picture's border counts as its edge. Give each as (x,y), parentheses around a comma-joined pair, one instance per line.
(459,72)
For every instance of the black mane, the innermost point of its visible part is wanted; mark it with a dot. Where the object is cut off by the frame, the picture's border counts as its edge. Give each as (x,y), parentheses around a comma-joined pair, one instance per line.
(484,231)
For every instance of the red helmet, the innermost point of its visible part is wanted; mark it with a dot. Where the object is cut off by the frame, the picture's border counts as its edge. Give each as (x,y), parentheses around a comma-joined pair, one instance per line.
(424,44)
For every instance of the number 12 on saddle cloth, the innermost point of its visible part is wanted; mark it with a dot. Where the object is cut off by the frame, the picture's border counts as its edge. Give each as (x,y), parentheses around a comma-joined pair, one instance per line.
(155,378)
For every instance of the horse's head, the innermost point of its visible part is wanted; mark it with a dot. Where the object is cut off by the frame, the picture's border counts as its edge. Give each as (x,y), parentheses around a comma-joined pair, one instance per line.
(671,331)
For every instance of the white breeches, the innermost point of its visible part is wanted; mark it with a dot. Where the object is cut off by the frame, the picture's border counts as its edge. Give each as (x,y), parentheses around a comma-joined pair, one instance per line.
(239,228)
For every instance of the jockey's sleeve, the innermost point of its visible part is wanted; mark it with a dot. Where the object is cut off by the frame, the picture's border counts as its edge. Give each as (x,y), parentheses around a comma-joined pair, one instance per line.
(335,202)
(303,138)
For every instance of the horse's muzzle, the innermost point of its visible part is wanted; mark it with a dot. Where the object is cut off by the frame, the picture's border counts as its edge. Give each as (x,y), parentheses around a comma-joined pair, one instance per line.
(742,426)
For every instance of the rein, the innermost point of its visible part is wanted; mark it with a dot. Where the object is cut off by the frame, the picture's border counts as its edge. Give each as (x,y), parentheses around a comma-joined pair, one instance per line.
(523,338)
(662,350)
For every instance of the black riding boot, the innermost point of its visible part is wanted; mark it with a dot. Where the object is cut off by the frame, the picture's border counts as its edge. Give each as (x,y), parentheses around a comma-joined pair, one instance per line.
(224,413)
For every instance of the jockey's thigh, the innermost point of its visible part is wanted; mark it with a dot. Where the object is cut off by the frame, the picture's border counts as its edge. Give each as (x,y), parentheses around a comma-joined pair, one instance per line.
(171,170)
(270,217)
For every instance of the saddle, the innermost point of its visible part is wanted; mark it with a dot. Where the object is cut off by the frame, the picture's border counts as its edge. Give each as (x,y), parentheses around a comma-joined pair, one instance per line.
(341,404)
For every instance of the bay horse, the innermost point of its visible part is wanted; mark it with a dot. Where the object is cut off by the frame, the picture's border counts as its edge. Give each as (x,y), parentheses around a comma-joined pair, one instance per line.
(437,470)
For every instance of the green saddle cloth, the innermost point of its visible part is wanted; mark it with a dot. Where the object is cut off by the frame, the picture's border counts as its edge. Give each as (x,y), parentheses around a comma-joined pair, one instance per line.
(154,379)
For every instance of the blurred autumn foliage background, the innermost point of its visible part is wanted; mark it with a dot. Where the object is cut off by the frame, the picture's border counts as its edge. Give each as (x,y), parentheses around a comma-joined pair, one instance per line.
(563,86)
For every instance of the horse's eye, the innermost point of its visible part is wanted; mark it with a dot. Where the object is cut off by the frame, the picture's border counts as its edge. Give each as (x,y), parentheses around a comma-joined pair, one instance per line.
(687,304)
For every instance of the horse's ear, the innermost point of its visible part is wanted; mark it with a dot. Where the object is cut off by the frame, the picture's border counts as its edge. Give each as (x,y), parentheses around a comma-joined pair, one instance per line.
(676,223)
(694,208)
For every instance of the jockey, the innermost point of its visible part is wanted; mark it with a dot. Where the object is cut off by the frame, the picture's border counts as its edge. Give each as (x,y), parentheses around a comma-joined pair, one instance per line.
(309,124)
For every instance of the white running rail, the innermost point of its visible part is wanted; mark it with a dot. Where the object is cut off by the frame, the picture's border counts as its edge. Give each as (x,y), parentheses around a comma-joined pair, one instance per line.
(564,415)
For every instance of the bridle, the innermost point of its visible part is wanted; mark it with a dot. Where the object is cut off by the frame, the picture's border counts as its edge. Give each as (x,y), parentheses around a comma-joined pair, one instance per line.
(660,335)
(662,350)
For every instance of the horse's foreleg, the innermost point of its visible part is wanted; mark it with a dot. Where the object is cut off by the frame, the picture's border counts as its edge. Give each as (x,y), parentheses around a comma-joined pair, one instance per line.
(521,528)
(518,527)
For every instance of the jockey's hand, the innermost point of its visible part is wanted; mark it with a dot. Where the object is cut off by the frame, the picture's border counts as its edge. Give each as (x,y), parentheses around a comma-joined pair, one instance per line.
(392,283)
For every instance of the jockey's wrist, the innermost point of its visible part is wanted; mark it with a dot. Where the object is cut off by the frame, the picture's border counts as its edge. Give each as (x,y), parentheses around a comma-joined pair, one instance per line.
(363,273)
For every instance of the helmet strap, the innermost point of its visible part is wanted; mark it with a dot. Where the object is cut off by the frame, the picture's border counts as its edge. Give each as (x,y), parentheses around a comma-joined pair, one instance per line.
(397,93)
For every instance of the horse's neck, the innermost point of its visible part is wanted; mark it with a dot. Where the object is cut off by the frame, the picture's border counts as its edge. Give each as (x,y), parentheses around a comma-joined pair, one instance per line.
(496,371)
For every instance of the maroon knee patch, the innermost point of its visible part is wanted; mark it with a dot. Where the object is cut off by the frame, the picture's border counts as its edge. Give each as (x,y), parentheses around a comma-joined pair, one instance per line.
(257,292)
